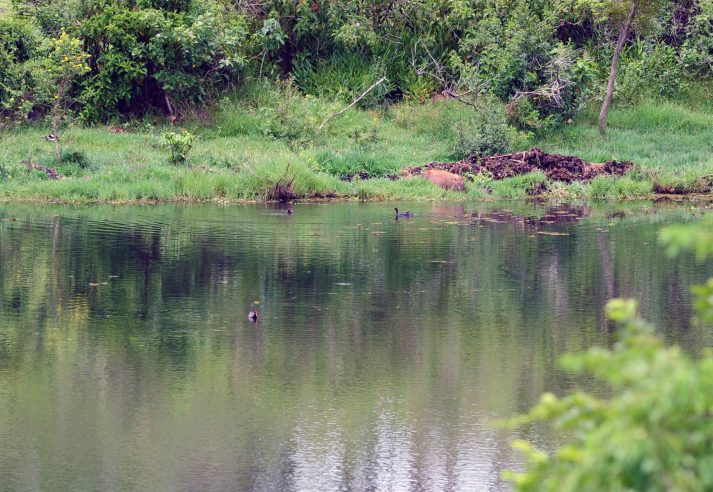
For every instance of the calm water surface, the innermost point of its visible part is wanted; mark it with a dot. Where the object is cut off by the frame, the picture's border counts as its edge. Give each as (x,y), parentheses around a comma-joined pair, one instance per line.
(383,353)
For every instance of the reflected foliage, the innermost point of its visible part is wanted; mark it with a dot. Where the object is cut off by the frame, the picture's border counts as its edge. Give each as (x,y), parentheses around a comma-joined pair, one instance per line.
(383,348)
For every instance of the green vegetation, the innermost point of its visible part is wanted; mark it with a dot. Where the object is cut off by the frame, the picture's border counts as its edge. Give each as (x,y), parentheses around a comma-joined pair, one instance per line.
(670,143)
(262,86)
(251,141)
(653,431)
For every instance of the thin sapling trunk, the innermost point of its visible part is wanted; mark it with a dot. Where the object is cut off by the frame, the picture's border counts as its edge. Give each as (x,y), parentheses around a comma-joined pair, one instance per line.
(623,34)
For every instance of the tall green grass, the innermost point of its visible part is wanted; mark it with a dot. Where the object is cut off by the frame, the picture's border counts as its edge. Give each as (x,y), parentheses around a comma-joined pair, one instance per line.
(668,142)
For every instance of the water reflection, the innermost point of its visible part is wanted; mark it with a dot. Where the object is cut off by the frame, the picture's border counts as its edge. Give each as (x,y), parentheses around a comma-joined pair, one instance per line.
(384,349)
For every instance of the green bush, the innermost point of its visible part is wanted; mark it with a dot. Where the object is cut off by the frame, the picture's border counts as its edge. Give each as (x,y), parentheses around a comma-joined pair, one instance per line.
(160,55)
(20,43)
(484,131)
(344,76)
(179,144)
(697,50)
(649,70)
(162,59)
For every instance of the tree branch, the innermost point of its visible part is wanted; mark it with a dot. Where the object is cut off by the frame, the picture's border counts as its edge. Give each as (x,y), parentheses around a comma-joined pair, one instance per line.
(373,86)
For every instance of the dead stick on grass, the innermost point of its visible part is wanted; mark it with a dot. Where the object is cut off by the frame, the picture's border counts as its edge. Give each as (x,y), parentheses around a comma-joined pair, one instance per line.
(374,85)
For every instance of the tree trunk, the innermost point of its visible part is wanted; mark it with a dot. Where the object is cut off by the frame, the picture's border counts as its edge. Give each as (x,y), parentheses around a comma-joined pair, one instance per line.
(625,27)
(55,118)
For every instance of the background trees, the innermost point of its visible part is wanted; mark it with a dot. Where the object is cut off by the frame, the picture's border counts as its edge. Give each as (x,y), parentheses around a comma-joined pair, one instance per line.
(545,60)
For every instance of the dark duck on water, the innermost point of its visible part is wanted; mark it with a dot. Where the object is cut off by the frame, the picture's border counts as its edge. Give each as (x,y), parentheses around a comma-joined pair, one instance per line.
(407,214)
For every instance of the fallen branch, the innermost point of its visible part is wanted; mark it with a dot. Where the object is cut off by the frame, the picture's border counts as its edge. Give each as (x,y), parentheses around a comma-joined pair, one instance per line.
(449,88)
(374,85)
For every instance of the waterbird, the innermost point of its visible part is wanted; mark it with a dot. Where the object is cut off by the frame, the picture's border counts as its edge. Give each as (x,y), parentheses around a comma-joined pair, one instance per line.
(252,315)
(398,214)
(289,210)
(52,138)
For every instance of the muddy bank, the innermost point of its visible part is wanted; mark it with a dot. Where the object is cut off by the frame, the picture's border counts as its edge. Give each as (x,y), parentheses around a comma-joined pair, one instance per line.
(556,167)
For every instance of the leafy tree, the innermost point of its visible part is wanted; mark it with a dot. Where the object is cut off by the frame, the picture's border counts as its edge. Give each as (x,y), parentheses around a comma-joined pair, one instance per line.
(65,62)
(654,432)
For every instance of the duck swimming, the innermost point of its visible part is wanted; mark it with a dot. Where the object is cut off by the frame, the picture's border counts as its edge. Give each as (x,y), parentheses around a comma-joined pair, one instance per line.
(252,315)
(407,214)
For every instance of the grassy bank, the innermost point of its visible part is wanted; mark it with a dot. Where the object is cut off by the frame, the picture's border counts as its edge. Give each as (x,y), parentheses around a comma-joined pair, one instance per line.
(255,140)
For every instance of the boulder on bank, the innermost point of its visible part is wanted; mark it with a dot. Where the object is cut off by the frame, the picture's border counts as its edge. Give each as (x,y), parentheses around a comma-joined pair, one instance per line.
(556,167)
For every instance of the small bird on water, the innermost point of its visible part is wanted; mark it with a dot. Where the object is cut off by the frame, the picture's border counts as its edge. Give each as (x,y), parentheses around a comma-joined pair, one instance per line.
(289,211)
(407,214)
(252,315)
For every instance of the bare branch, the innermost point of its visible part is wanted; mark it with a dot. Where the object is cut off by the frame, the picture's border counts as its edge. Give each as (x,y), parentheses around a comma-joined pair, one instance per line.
(373,86)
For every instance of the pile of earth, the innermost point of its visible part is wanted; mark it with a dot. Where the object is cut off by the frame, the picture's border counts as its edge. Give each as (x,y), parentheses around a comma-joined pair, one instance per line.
(556,167)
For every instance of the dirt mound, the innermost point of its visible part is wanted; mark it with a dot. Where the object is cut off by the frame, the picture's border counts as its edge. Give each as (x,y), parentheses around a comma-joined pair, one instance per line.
(556,167)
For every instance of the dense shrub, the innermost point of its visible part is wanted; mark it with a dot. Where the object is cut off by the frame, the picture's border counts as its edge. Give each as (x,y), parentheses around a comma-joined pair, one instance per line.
(150,58)
(519,59)
(697,50)
(484,131)
(20,42)
(649,70)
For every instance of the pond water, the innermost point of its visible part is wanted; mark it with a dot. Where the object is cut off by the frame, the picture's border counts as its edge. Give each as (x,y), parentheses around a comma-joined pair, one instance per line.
(383,352)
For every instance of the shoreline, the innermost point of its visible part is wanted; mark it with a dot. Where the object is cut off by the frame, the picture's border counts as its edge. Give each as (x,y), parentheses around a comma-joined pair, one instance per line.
(698,198)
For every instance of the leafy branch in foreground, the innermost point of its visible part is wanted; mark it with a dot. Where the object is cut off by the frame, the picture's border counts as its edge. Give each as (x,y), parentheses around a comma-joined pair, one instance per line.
(654,431)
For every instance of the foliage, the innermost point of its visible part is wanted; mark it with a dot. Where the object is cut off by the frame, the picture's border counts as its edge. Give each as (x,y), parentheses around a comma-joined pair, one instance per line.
(654,67)
(20,42)
(697,50)
(344,76)
(565,86)
(653,432)
(66,58)
(484,131)
(697,238)
(519,60)
(545,59)
(179,144)
(148,58)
